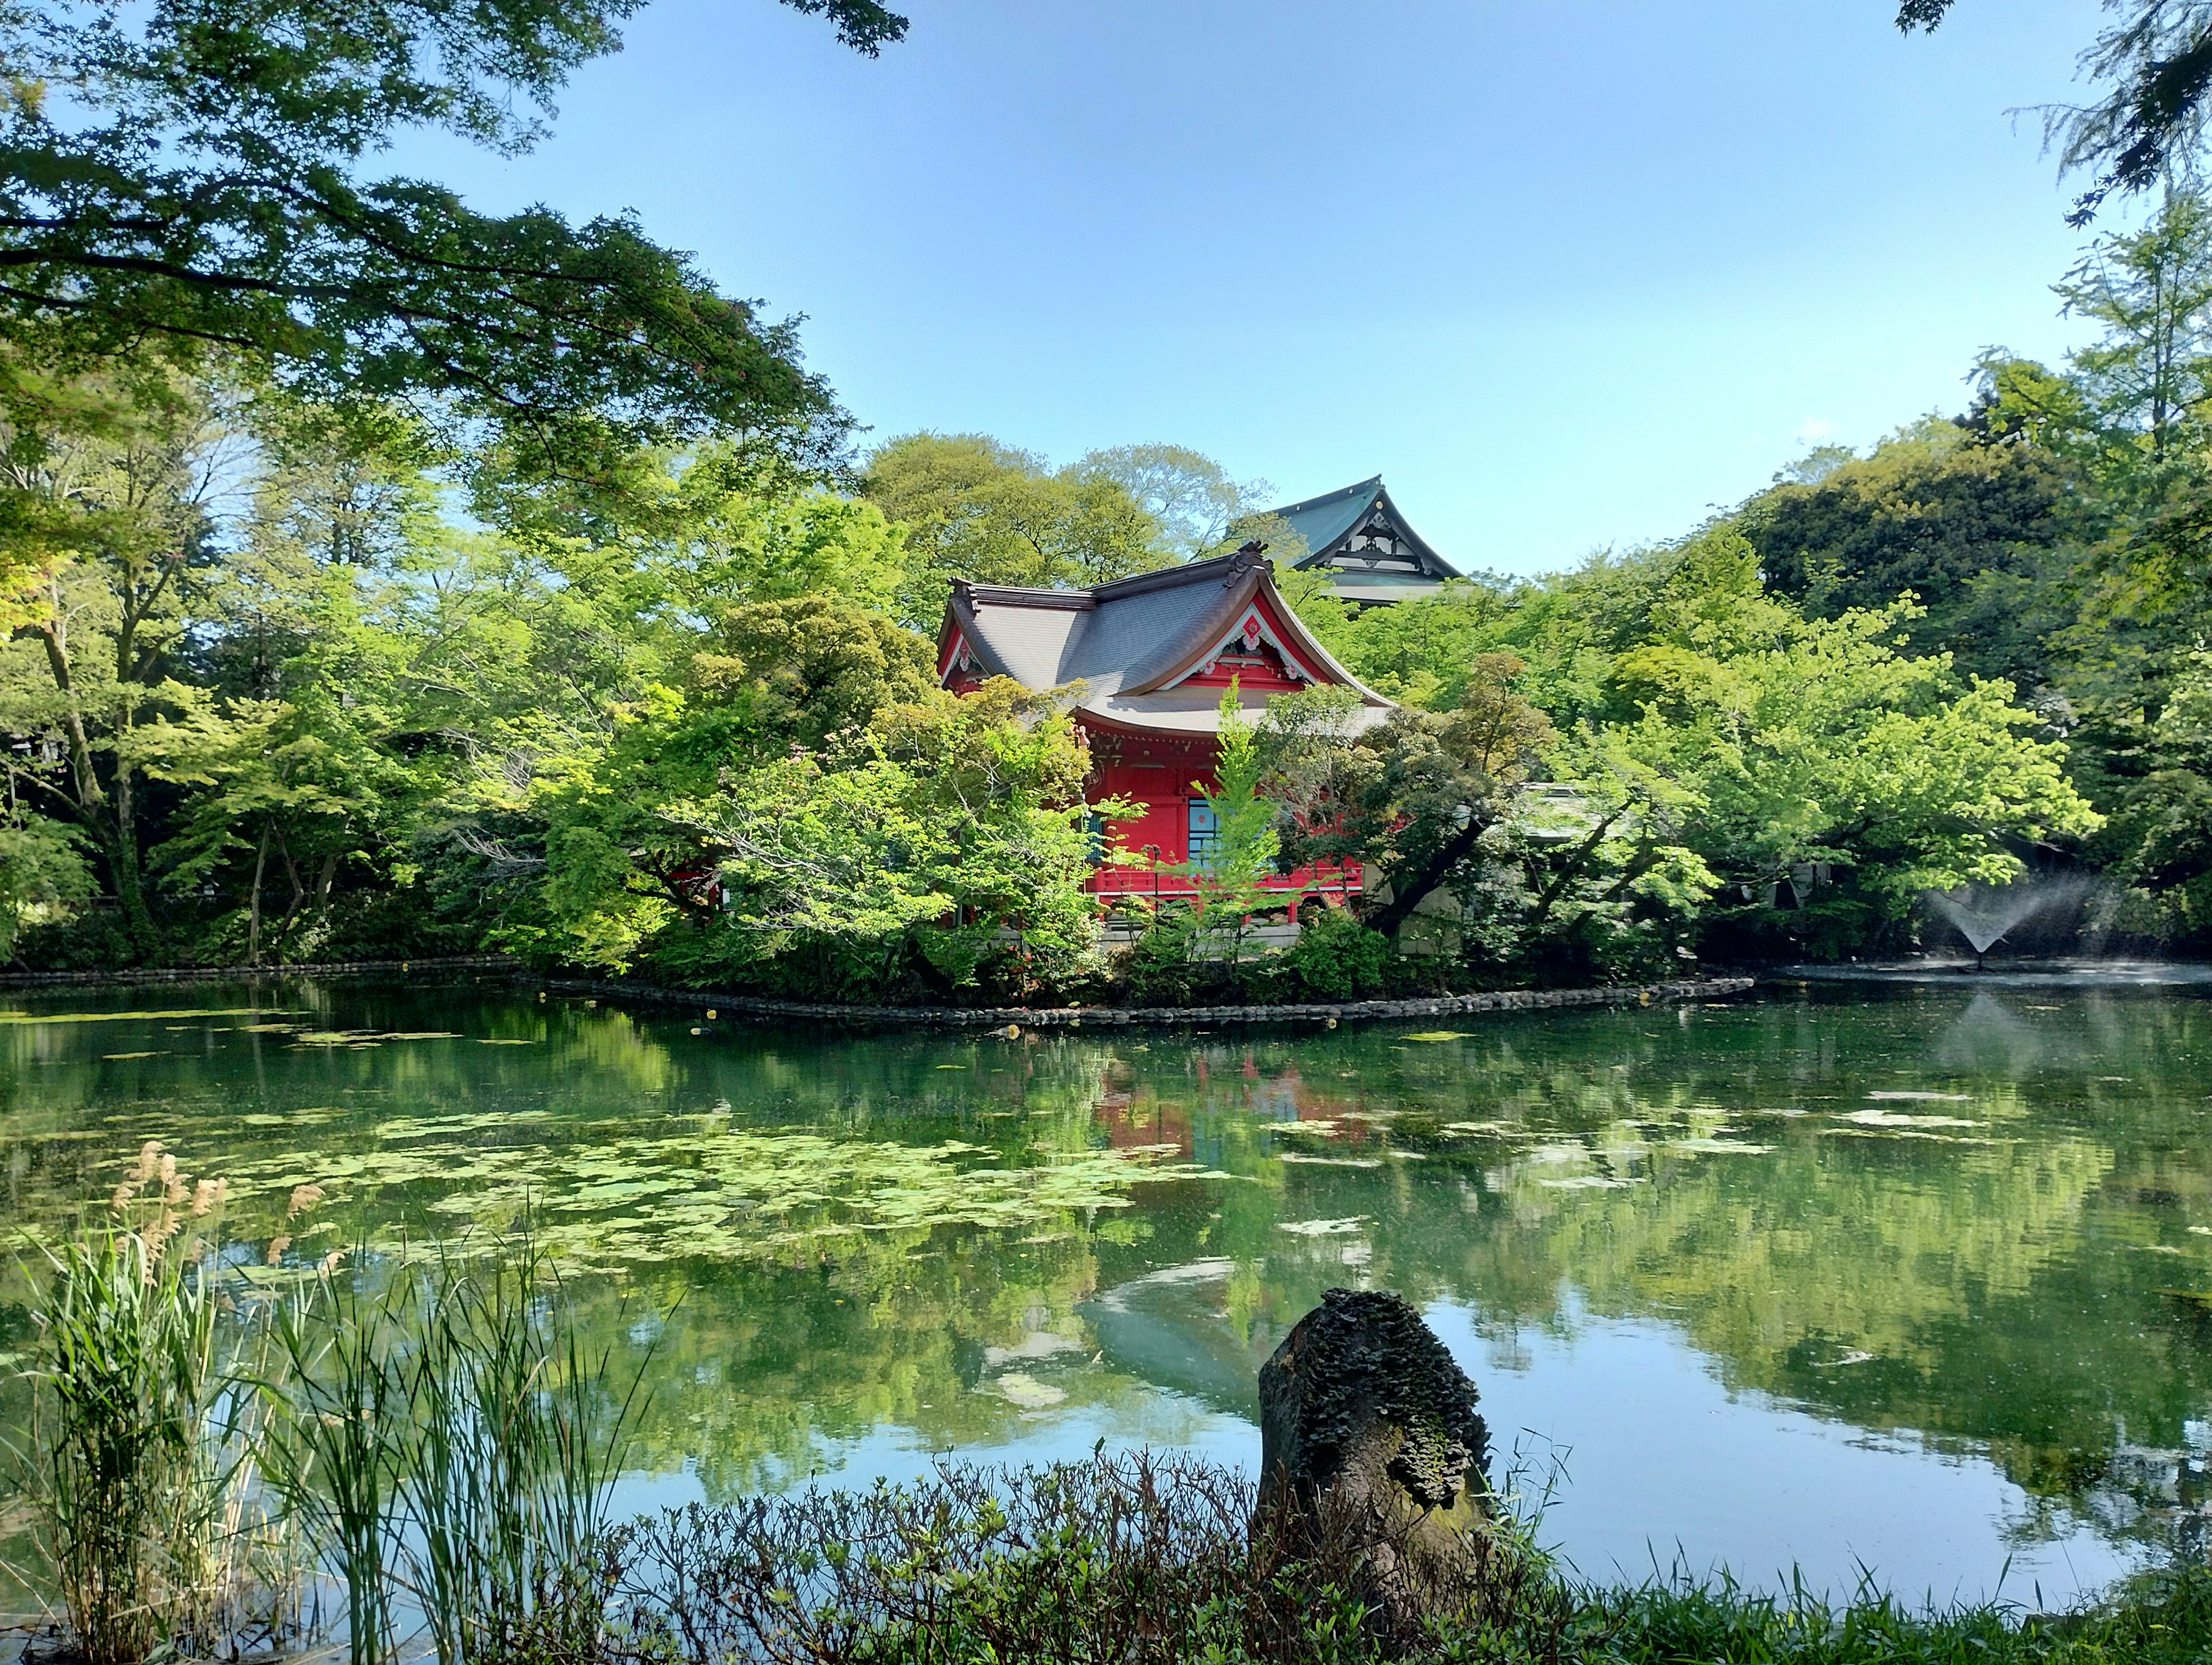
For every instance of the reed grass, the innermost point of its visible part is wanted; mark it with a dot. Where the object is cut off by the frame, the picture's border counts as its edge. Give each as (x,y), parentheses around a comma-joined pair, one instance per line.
(450,1443)
(141,1450)
(519,1438)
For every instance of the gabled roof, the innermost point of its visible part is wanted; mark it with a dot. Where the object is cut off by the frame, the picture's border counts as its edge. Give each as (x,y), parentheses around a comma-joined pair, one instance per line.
(1133,643)
(1360,535)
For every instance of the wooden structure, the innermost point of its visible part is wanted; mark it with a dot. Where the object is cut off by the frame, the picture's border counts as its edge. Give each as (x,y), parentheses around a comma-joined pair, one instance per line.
(1358,536)
(1146,659)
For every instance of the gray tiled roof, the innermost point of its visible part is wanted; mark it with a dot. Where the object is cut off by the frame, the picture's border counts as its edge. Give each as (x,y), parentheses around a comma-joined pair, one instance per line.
(1124,635)
(1323,523)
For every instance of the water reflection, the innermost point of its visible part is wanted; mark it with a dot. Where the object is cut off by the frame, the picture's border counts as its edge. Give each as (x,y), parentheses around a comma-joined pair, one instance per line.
(1786,1275)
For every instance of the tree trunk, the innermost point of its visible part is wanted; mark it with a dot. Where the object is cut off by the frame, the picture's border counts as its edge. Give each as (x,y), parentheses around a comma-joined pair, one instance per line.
(253,904)
(111,822)
(1407,895)
(299,892)
(323,881)
(1371,1462)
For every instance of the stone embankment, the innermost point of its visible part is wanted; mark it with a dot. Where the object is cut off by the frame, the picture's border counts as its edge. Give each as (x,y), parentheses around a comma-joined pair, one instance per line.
(1101,1017)
(1020,1017)
(231,974)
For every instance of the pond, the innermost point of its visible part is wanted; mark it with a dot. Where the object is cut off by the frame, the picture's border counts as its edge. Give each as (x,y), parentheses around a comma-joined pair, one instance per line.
(1913,1278)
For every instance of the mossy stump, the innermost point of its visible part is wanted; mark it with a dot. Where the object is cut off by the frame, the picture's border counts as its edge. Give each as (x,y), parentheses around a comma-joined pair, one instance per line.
(1371,1457)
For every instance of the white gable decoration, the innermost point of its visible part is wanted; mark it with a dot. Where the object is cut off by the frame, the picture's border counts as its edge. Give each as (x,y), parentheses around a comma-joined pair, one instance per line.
(1248,633)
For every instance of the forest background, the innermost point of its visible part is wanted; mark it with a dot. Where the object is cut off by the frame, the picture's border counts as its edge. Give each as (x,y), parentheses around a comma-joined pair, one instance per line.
(383,580)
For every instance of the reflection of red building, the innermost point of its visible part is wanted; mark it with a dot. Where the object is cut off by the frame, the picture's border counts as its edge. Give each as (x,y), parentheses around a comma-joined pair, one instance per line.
(1153,655)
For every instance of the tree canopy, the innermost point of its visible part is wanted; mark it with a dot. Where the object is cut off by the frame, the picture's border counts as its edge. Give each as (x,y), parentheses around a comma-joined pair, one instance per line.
(200,174)
(2155,60)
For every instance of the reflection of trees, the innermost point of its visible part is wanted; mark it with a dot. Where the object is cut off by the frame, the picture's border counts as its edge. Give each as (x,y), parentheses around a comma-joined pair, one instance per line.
(1778,1266)
(2001,1279)
(758,1371)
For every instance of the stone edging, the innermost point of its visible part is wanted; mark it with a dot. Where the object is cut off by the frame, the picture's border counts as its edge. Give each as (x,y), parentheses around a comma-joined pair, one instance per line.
(1447,1005)
(210,973)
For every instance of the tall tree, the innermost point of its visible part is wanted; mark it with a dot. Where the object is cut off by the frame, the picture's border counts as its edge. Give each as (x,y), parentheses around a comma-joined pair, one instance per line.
(117,481)
(2150,372)
(975,508)
(1968,522)
(1190,496)
(2154,61)
(197,171)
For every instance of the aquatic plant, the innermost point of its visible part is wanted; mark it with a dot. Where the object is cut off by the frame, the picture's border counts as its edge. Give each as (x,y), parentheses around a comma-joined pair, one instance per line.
(140,1454)
(450,1442)
(518,1436)
(336,1446)
(603,1195)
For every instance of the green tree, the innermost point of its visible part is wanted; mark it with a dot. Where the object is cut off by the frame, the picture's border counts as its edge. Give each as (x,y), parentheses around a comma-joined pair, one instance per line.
(1190,497)
(1231,875)
(117,484)
(974,508)
(1806,741)
(2150,372)
(1975,527)
(943,845)
(2154,61)
(796,672)
(1410,800)
(193,175)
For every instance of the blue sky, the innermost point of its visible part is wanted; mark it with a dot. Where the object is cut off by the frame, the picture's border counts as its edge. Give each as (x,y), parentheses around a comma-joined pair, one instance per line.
(1567,273)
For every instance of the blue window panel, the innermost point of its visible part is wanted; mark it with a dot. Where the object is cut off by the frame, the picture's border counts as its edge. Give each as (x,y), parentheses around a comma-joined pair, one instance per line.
(1205,830)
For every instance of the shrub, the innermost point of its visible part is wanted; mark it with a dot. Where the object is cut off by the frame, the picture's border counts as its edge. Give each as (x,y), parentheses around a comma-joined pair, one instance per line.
(1132,1558)
(1336,958)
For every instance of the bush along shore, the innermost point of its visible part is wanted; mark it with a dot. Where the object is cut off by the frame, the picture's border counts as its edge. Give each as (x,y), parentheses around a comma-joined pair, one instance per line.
(414,1456)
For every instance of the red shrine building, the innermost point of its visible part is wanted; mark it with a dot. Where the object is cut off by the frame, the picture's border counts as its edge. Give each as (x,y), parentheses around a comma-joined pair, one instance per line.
(1153,655)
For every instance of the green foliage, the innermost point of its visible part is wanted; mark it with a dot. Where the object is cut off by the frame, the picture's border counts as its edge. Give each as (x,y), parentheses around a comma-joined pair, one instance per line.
(1189,497)
(796,672)
(1152,1560)
(834,810)
(140,1444)
(1335,958)
(449,1441)
(42,875)
(974,508)
(202,181)
(1960,526)
(1229,876)
(2155,60)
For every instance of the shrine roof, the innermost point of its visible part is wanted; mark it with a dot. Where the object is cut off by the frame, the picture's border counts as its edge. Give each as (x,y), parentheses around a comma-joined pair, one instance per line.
(1327,524)
(1132,643)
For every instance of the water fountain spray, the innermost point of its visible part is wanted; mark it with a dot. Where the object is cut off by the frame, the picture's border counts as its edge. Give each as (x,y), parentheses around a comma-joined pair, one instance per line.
(1984,914)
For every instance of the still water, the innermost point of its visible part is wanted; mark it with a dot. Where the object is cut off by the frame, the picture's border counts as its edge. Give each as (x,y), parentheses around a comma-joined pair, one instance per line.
(1912,1278)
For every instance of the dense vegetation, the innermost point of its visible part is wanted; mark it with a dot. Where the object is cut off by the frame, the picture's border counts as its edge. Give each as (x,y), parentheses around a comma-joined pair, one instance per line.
(289,681)
(382,578)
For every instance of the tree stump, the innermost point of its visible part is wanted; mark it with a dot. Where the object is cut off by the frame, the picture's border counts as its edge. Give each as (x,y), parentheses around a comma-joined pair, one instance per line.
(1371,1458)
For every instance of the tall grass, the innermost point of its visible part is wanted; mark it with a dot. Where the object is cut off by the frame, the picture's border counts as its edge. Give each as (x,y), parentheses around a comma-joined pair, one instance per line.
(519,1438)
(451,1443)
(141,1450)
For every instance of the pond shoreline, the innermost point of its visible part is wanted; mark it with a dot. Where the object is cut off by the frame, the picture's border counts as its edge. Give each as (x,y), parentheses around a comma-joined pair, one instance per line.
(1440,1005)
(1107,1016)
